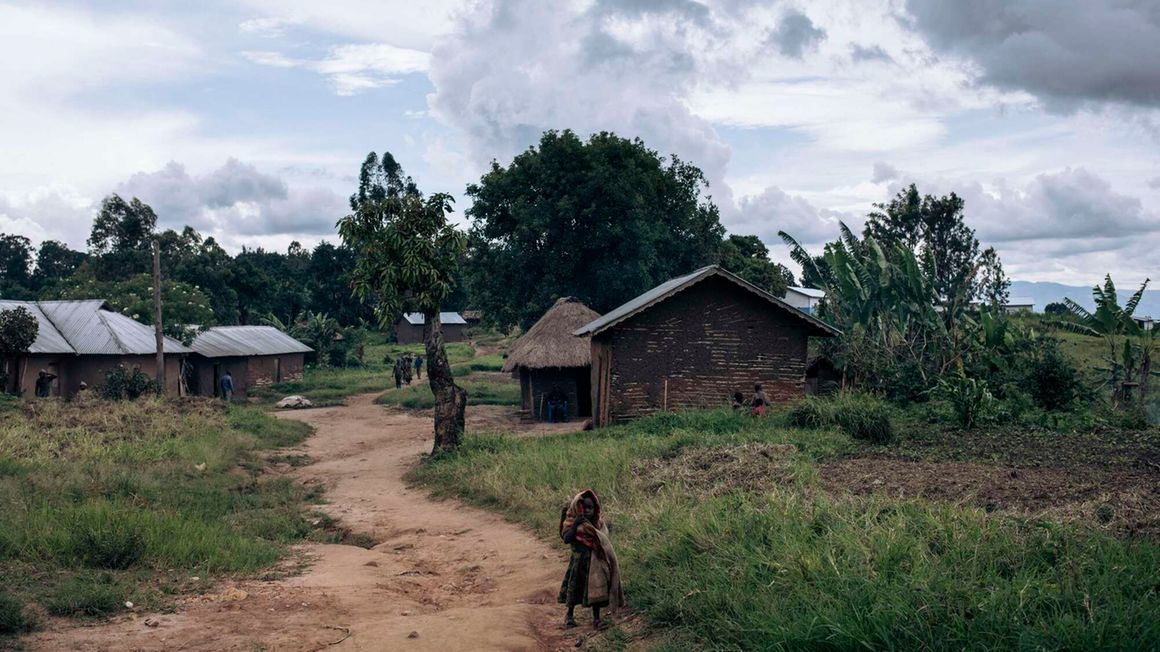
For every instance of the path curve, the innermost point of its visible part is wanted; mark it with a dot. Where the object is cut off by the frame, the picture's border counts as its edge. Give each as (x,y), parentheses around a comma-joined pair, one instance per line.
(442,577)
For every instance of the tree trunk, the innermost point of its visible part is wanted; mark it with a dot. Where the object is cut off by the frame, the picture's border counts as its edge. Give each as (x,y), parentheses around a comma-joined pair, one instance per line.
(450,399)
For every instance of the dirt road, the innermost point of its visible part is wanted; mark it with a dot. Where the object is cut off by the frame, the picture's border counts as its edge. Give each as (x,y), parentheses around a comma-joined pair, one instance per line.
(441,576)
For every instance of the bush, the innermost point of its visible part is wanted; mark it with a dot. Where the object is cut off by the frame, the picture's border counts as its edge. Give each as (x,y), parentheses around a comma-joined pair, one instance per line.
(103,537)
(81,596)
(970,398)
(121,384)
(1051,378)
(861,416)
(14,619)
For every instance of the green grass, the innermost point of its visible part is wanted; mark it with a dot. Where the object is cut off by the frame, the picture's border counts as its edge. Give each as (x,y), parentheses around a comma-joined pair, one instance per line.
(480,391)
(107,502)
(492,362)
(727,541)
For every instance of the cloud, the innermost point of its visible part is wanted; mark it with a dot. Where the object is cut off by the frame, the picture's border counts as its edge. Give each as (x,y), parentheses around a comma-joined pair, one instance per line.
(234,199)
(411,25)
(775,210)
(1066,53)
(883,172)
(1154,183)
(859,53)
(353,68)
(796,35)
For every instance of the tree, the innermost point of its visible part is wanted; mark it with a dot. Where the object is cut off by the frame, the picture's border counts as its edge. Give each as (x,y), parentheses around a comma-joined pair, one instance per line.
(55,262)
(748,257)
(183,305)
(121,238)
(15,267)
(18,330)
(1056,309)
(993,287)
(406,253)
(602,220)
(934,228)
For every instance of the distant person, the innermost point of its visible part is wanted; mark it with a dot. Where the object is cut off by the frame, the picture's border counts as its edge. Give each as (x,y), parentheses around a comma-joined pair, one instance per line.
(760,402)
(227,386)
(738,401)
(557,405)
(593,575)
(406,369)
(398,374)
(44,384)
(419,367)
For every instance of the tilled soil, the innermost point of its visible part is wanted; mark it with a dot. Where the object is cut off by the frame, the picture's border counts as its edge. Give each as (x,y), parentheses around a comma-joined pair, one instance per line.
(440,576)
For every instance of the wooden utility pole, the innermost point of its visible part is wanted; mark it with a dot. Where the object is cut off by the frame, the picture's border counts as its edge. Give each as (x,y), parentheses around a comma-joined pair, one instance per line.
(158,333)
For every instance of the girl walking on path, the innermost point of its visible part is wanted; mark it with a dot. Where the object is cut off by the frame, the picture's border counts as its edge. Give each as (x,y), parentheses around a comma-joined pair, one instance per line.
(593,576)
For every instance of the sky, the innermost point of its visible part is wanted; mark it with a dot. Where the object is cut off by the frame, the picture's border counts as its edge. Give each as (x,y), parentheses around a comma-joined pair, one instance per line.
(248,120)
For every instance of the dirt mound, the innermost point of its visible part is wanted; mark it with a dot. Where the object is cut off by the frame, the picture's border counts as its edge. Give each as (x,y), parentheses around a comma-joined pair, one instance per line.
(1124,502)
(715,471)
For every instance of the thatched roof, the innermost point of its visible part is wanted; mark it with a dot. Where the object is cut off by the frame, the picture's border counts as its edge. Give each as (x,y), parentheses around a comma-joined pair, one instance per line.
(550,342)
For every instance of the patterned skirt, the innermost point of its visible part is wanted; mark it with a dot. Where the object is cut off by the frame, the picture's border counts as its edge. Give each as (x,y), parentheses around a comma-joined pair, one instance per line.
(574,589)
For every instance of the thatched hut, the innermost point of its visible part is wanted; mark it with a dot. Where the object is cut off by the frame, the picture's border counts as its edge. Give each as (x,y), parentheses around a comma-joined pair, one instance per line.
(549,357)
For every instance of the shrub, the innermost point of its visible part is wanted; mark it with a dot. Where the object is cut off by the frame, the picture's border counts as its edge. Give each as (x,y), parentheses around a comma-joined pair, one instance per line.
(970,397)
(807,413)
(86,596)
(1051,378)
(121,384)
(861,416)
(14,619)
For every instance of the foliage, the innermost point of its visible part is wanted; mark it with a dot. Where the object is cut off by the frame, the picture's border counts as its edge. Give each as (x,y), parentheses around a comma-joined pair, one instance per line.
(779,564)
(993,285)
(182,304)
(15,267)
(861,416)
(748,257)
(122,384)
(480,391)
(18,330)
(113,499)
(1056,309)
(602,220)
(970,397)
(14,618)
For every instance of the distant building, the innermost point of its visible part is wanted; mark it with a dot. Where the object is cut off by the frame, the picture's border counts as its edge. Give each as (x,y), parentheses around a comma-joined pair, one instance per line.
(692,342)
(80,341)
(472,317)
(1017,305)
(549,357)
(254,356)
(409,327)
(806,300)
(1146,323)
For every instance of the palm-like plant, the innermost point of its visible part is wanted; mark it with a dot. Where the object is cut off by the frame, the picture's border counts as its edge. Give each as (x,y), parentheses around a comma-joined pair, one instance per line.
(1129,347)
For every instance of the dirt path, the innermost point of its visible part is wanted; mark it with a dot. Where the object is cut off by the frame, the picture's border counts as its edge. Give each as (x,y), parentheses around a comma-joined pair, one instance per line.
(441,576)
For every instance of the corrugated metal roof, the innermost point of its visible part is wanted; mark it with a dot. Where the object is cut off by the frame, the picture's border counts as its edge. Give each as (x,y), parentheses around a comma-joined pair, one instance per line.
(1020,301)
(809,292)
(92,329)
(48,338)
(224,341)
(673,286)
(416,318)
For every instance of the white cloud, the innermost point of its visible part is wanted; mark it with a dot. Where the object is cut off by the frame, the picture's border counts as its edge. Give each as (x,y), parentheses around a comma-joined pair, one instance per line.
(353,68)
(411,25)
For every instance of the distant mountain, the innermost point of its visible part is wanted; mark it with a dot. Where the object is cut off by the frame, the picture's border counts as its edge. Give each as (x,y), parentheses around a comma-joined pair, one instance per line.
(1045,293)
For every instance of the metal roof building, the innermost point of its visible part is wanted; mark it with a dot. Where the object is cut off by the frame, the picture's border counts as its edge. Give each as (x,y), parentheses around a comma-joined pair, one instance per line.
(227,341)
(92,328)
(48,338)
(446,318)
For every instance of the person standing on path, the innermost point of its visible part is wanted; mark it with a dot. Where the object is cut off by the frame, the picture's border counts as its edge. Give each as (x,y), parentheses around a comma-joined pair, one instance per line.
(398,374)
(593,575)
(227,384)
(419,367)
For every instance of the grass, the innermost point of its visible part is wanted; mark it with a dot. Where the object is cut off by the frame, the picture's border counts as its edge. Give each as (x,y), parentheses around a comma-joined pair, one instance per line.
(768,560)
(480,391)
(107,502)
(492,363)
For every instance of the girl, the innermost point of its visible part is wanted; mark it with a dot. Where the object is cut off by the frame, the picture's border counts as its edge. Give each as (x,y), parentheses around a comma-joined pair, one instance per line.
(593,576)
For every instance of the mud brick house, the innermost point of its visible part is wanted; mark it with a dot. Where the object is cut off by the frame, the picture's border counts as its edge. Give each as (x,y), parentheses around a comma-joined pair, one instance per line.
(80,341)
(692,342)
(409,327)
(549,357)
(254,356)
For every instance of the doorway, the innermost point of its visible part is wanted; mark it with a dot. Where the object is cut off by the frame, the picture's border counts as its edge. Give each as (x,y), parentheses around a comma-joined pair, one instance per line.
(583,392)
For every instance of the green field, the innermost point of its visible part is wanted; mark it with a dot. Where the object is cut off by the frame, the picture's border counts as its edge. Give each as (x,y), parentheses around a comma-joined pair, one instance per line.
(729,539)
(103,503)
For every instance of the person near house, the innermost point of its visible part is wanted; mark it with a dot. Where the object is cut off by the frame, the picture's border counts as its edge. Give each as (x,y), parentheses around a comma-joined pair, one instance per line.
(419,367)
(760,402)
(44,384)
(227,387)
(738,401)
(398,374)
(557,405)
(593,576)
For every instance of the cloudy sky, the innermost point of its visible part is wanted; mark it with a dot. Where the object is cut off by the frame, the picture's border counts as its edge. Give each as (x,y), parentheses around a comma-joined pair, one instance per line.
(248,120)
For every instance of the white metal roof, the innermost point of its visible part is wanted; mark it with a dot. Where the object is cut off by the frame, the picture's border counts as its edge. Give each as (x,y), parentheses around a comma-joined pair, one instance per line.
(1020,301)
(93,329)
(229,341)
(809,292)
(48,338)
(673,286)
(416,318)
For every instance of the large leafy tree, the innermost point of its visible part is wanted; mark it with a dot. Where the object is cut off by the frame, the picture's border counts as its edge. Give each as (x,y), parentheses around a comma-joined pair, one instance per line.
(121,238)
(602,220)
(18,330)
(934,228)
(406,256)
(748,257)
(55,262)
(15,267)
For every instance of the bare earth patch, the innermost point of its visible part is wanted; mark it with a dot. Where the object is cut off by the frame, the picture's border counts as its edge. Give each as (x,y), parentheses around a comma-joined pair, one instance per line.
(1125,502)
(717,471)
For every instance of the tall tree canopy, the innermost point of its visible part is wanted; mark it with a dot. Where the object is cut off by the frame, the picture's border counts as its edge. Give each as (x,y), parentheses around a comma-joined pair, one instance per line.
(602,220)
(748,257)
(15,267)
(406,256)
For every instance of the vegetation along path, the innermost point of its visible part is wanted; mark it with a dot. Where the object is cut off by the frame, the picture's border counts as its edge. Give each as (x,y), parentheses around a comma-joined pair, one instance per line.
(428,575)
